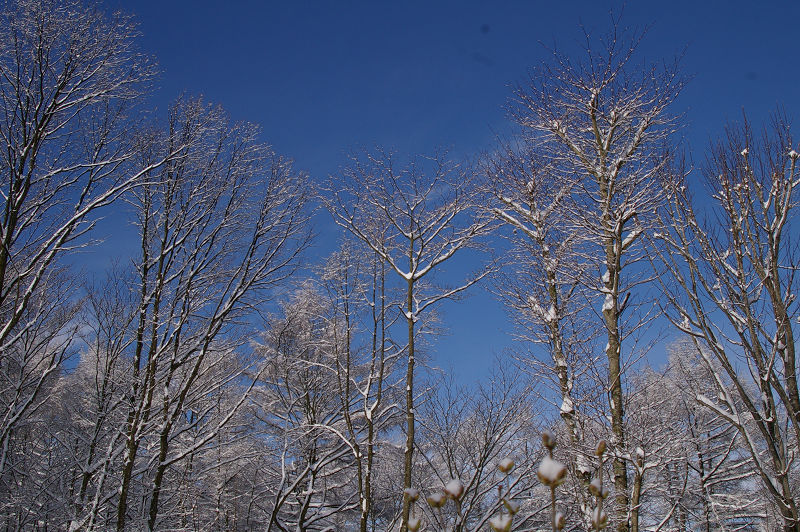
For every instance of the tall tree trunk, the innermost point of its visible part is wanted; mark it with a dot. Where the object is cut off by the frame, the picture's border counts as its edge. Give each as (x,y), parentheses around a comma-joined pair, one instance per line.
(611,313)
(409,451)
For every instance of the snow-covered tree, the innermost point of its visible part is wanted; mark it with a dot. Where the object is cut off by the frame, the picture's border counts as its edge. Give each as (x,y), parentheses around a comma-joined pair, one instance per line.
(466,435)
(702,475)
(542,285)
(416,218)
(68,79)
(732,259)
(301,416)
(599,125)
(365,356)
(219,225)
(93,400)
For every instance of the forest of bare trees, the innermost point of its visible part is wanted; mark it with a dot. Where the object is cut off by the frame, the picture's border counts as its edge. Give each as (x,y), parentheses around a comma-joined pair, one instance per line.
(220,376)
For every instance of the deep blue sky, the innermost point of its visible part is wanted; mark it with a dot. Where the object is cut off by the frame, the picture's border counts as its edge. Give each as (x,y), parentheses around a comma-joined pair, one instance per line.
(324,77)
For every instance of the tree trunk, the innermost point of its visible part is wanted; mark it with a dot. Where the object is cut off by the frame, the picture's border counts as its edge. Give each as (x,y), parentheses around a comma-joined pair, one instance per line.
(611,313)
(409,451)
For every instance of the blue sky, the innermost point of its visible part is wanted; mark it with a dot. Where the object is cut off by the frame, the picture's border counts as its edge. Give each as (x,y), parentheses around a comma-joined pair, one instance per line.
(322,78)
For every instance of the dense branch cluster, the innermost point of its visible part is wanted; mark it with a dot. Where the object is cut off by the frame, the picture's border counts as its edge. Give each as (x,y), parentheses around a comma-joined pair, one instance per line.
(211,379)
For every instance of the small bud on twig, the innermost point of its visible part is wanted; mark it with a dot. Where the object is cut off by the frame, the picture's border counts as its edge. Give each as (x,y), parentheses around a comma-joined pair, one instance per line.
(437,499)
(454,489)
(561,521)
(596,487)
(511,506)
(601,448)
(551,472)
(500,523)
(412,494)
(599,519)
(549,439)
(506,465)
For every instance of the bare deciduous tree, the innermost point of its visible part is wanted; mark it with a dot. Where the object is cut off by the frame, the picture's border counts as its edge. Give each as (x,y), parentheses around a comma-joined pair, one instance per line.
(365,356)
(702,475)
(220,224)
(302,415)
(415,218)
(600,124)
(734,290)
(466,434)
(541,283)
(68,78)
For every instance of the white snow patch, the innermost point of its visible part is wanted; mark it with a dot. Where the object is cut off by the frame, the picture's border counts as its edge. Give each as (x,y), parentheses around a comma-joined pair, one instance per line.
(631,237)
(583,464)
(566,405)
